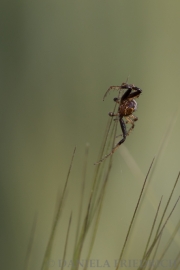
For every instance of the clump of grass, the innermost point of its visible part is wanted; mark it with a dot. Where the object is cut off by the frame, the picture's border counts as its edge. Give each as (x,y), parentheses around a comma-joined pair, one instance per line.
(93,213)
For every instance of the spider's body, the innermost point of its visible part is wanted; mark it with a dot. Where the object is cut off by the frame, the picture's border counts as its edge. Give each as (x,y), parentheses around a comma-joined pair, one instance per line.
(127,106)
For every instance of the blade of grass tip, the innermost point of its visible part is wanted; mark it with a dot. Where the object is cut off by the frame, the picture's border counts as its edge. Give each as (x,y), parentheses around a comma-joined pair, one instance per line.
(176,263)
(106,136)
(66,242)
(109,123)
(30,244)
(134,214)
(154,222)
(114,130)
(57,216)
(155,252)
(113,143)
(82,193)
(160,232)
(169,243)
(86,224)
(107,130)
(98,173)
(165,209)
(99,169)
(99,207)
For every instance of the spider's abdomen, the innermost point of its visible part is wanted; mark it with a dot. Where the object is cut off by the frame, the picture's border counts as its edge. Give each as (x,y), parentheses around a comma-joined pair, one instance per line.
(127,107)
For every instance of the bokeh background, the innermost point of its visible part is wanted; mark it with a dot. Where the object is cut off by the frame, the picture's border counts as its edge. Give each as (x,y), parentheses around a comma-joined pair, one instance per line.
(57,60)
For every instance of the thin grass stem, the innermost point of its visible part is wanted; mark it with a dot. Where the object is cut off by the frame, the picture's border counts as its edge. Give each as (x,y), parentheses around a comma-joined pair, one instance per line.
(133,217)
(157,237)
(57,216)
(82,194)
(167,203)
(154,222)
(66,242)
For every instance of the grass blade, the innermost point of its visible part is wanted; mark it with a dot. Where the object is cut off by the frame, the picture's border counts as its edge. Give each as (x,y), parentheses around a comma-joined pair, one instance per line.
(157,237)
(133,217)
(154,222)
(66,242)
(57,216)
(168,203)
(82,193)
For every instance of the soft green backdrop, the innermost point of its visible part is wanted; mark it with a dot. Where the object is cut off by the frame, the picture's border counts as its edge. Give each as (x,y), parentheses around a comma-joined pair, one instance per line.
(57,60)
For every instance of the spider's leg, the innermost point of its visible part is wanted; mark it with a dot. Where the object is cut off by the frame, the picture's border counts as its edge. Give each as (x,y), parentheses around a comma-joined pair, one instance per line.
(113,87)
(123,127)
(113,114)
(131,119)
(137,89)
(101,160)
(130,87)
(126,94)
(117,100)
(136,93)
(124,133)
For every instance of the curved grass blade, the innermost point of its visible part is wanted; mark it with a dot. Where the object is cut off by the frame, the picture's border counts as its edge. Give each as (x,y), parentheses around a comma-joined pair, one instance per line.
(82,194)
(148,253)
(133,217)
(154,222)
(169,243)
(57,216)
(155,252)
(168,203)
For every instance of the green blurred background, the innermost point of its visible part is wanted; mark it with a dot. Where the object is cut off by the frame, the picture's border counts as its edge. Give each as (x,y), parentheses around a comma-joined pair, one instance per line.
(57,60)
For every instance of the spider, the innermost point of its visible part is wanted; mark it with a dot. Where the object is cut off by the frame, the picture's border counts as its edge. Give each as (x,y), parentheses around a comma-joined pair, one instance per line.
(127,105)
